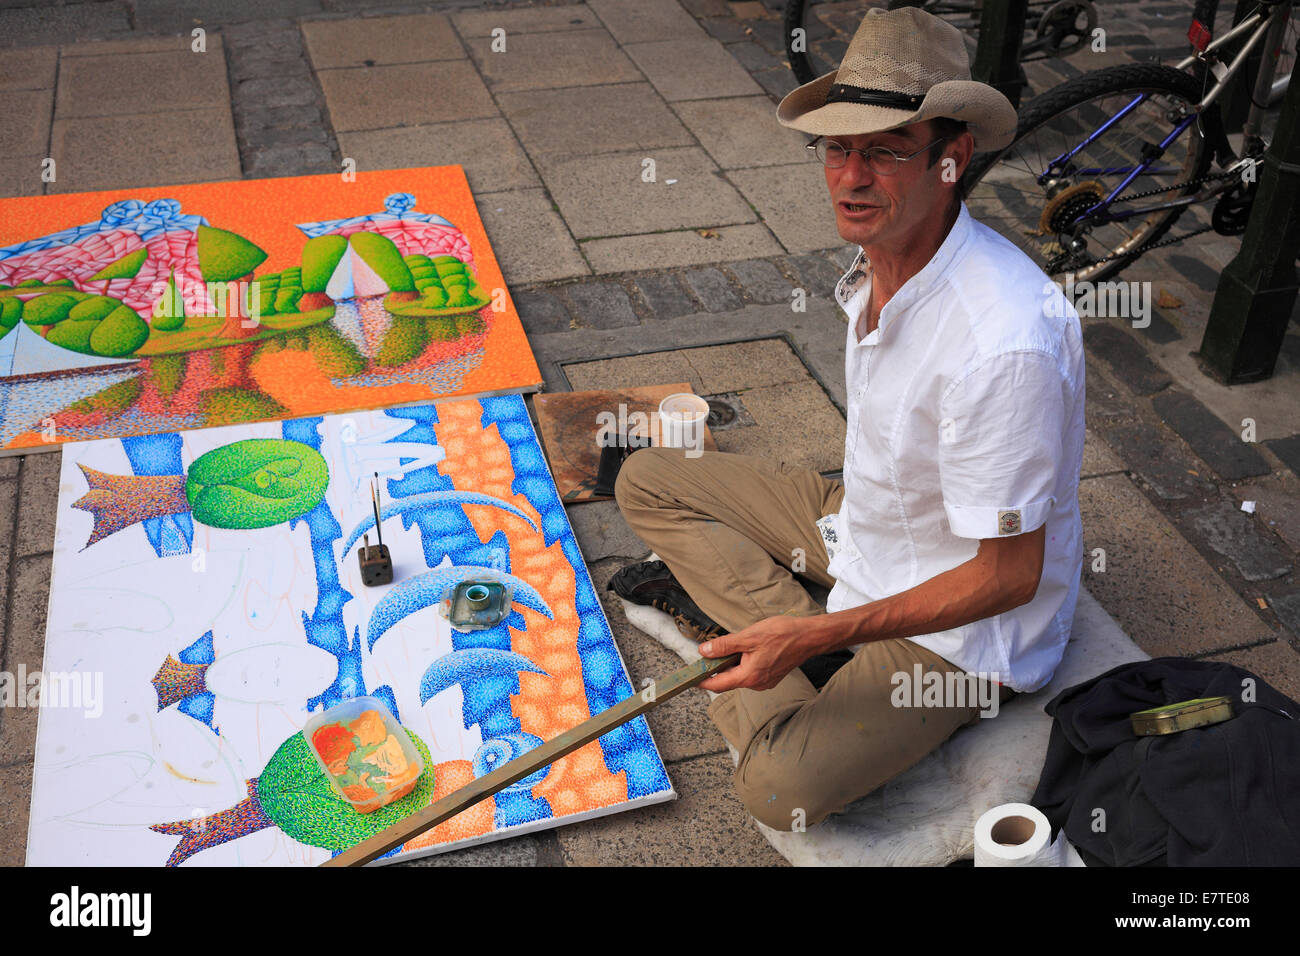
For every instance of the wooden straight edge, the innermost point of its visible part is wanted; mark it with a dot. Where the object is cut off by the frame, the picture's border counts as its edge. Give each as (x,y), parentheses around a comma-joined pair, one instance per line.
(482,788)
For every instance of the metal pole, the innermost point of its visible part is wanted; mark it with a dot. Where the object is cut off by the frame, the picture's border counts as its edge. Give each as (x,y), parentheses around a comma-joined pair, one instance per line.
(997,57)
(1257,290)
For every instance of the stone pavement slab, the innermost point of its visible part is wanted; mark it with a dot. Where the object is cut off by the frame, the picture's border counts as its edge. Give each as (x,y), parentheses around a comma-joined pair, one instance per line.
(761,281)
(795,424)
(669,249)
(1098,459)
(527,20)
(381,40)
(486,148)
(739,132)
(1234,534)
(706,825)
(1275,498)
(744,365)
(607,196)
(412,94)
(1164,595)
(176,15)
(600,305)
(38,485)
(21,175)
(699,69)
(27,26)
(106,152)
(602,533)
(794,203)
(635,21)
(1219,446)
(585,121)
(539,61)
(29,69)
(15,807)
(634,371)
(1277,663)
(143,83)
(24,122)
(24,647)
(528,237)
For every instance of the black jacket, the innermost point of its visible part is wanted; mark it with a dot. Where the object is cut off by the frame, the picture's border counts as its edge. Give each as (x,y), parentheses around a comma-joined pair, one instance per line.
(1223,795)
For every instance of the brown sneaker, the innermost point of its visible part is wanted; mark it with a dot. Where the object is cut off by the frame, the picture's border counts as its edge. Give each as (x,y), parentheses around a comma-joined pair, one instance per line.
(651,584)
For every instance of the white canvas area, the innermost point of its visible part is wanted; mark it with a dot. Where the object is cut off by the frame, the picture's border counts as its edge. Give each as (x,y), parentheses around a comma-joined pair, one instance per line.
(926,816)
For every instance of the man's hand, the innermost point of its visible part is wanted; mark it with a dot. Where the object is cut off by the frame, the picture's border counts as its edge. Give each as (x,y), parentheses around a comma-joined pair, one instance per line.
(769,650)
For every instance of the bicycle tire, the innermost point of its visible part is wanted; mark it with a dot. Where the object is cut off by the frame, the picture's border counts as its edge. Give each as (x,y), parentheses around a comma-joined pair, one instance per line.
(1128,78)
(800,62)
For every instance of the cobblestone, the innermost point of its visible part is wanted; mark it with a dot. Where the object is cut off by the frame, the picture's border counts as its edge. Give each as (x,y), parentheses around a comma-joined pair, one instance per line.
(713,290)
(541,312)
(1126,357)
(1218,445)
(761,281)
(664,296)
(601,305)
(1234,534)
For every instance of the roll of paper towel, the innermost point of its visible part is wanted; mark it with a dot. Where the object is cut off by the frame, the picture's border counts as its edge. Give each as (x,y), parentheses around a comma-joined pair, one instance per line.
(1016,834)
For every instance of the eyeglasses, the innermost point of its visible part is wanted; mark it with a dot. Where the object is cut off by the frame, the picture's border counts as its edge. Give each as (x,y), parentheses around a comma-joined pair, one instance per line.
(882,161)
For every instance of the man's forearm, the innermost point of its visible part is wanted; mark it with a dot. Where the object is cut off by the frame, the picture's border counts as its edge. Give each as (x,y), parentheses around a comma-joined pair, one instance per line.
(993,582)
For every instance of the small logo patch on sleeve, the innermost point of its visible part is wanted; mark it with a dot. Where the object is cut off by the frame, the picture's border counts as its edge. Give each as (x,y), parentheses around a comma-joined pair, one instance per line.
(1008,522)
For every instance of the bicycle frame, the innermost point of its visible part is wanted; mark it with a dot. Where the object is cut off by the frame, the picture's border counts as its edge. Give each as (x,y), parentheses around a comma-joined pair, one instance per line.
(1273,25)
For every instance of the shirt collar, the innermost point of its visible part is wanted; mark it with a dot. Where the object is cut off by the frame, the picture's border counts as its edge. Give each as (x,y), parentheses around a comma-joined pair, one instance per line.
(933,270)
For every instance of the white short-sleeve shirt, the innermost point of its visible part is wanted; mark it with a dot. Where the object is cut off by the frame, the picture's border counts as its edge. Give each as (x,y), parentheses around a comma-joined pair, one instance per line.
(965,421)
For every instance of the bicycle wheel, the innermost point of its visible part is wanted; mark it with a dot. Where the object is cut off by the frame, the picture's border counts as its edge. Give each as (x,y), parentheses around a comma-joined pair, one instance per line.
(1003,189)
(799,60)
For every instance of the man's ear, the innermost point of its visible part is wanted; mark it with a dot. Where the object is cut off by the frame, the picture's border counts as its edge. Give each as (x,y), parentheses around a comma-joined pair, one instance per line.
(956,157)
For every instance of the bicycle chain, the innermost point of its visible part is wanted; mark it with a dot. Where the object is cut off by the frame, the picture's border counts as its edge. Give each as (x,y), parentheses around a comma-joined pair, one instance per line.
(1157,244)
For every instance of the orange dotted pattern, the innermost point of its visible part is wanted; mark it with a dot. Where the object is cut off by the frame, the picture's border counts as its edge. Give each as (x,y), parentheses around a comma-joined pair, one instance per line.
(546,705)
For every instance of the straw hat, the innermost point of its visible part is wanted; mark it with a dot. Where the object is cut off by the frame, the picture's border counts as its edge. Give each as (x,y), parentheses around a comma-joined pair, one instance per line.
(902,66)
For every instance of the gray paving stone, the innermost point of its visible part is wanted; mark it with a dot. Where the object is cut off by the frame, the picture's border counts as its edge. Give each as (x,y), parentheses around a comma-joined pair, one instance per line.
(740,132)
(29,69)
(21,176)
(39,493)
(1159,459)
(707,8)
(1098,459)
(380,40)
(1234,534)
(743,366)
(664,296)
(24,122)
(413,94)
(1164,595)
(255,116)
(602,533)
(1126,357)
(278,92)
(24,646)
(725,29)
(585,121)
(539,61)
(818,275)
(541,311)
(771,35)
(752,56)
(713,290)
(794,203)
(697,69)
(1106,401)
(262,62)
(606,195)
(30,26)
(1160,330)
(1287,609)
(528,237)
(157,16)
(600,305)
(529,20)
(632,371)
(142,83)
(15,806)
(796,424)
(1276,663)
(1218,445)
(706,825)
(290,160)
(632,21)
(683,248)
(487,149)
(1288,449)
(104,152)
(761,281)
(260,138)
(777,81)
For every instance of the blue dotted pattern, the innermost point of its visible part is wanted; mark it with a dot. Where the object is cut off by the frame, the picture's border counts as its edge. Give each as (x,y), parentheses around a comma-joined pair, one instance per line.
(161,455)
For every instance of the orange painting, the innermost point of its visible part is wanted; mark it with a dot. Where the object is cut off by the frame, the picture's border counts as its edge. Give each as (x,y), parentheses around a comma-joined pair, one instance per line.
(140,311)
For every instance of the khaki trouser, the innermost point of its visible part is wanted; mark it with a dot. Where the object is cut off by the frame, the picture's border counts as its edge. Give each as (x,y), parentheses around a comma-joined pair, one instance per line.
(731,527)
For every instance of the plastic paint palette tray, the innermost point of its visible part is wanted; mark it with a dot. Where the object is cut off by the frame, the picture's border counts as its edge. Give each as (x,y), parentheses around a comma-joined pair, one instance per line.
(365,754)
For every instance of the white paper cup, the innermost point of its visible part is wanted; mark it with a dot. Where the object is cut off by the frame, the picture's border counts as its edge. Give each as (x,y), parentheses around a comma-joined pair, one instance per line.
(681,423)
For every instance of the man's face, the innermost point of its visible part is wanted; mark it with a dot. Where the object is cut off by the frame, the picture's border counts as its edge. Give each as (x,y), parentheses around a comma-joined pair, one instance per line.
(875,210)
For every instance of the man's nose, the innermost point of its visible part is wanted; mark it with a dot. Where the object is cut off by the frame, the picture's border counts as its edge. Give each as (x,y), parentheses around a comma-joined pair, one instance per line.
(857,168)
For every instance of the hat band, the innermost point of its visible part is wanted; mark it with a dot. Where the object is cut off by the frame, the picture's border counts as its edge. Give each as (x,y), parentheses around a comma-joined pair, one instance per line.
(844,93)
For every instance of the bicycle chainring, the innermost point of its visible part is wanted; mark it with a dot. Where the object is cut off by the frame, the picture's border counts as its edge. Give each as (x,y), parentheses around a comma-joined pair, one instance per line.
(1232,211)
(1068,205)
